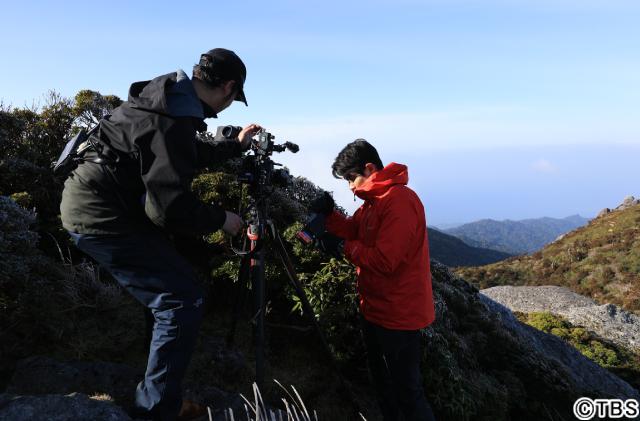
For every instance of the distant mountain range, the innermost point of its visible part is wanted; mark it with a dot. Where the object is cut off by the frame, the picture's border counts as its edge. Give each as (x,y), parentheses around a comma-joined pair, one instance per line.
(453,252)
(600,260)
(515,237)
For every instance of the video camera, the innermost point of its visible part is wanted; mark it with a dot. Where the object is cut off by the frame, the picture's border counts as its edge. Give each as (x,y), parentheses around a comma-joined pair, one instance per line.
(259,172)
(257,169)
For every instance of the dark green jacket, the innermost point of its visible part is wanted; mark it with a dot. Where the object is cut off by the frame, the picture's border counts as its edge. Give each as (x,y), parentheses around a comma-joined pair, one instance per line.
(154,135)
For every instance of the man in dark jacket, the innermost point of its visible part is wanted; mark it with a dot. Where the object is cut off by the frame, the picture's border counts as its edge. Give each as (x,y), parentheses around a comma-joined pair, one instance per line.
(387,241)
(121,211)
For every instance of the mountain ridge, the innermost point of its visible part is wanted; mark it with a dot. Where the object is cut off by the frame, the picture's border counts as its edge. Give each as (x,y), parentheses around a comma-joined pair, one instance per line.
(516,236)
(600,260)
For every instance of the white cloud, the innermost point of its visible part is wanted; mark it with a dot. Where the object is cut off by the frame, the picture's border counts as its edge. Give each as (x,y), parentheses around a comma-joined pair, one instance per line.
(417,135)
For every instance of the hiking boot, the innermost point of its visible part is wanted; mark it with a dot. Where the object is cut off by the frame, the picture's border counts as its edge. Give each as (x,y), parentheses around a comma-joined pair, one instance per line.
(191,410)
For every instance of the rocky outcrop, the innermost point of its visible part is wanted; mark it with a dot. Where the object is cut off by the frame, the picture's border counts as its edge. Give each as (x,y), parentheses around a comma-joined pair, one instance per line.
(43,385)
(43,375)
(72,407)
(628,202)
(608,321)
(480,344)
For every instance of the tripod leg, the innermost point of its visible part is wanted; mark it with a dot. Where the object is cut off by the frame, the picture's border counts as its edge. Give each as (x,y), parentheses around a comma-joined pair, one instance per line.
(239,298)
(257,282)
(308,311)
(293,277)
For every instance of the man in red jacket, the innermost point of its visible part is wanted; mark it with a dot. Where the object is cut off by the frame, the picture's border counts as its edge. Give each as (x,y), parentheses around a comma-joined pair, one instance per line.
(387,241)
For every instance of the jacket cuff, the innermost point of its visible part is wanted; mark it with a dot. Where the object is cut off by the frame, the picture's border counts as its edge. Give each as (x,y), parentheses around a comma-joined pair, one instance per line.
(333,217)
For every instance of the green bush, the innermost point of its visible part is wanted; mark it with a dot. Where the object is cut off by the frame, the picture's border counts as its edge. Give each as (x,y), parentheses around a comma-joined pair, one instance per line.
(601,352)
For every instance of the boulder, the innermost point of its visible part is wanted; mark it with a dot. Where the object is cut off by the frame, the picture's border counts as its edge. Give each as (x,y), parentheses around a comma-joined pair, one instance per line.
(608,321)
(580,373)
(489,365)
(628,202)
(72,407)
(44,375)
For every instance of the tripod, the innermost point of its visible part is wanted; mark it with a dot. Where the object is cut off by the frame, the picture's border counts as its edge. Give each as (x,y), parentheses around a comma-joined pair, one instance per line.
(261,229)
(259,173)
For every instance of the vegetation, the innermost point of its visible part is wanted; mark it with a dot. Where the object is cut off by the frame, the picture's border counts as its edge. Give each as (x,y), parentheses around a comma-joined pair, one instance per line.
(623,362)
(600,260)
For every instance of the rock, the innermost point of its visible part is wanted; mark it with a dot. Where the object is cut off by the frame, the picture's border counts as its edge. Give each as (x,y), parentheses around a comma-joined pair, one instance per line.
(44,375)
(40,375)
(628,202)
(560,237)
(216,398)
(529,299)
(507,369)
(579,369)
(72,407)
(603,212)
(228,363)
(608,321)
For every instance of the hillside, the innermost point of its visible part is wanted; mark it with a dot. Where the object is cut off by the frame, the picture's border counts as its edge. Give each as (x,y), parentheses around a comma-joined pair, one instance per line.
(515,237)
(600,260)
(480,361)
(454,252)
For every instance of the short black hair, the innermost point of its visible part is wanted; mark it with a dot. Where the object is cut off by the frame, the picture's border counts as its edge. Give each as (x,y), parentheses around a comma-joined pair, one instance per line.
(207,75)
(354,157)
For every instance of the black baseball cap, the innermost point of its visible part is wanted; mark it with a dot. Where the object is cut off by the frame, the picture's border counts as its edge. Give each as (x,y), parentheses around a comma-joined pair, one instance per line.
(226,65)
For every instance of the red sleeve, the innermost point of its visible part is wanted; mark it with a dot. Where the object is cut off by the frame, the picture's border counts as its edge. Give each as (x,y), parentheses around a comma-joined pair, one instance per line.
(342,226)
(395,236)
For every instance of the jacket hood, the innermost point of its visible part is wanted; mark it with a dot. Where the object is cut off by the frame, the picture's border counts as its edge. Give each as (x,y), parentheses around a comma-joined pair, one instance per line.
(172,94)
(380,181)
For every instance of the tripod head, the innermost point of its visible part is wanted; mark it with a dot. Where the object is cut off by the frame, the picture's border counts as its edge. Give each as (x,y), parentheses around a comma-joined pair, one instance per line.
(259,171)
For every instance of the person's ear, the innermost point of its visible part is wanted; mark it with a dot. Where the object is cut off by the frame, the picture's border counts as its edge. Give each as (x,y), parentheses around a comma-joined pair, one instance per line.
(369,169)
(228,87)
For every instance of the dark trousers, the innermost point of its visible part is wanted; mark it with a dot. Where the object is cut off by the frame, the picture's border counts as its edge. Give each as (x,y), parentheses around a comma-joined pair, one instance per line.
(394,363)
(148,266)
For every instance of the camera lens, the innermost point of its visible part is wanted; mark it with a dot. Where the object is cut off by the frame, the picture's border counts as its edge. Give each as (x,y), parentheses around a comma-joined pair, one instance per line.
(231,132)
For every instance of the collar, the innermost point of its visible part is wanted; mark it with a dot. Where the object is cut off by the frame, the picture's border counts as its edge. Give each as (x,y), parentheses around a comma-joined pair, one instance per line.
(208,111)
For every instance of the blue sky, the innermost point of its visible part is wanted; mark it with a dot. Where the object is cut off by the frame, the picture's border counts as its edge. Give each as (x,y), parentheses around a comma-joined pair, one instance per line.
(502,109)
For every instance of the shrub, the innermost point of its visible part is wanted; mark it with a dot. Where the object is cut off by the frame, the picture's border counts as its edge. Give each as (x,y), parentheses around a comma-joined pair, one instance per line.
(49,307)
(605,354)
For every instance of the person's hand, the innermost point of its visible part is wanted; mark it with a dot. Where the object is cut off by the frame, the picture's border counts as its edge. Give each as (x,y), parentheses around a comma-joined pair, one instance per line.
(232,224)
(323,204)
(246,135)
(331,245)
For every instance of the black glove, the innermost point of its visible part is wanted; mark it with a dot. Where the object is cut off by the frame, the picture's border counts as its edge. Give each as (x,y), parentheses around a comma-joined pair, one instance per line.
(323,204)
(331,245)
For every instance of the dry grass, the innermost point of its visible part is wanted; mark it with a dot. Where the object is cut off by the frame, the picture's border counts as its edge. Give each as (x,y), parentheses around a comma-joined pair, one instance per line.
(256,410)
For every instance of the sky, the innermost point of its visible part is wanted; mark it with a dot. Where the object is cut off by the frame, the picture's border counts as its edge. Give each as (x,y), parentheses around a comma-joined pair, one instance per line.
(501,109)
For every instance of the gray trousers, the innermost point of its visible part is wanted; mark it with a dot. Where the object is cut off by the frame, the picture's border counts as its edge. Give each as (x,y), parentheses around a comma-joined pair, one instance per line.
(148,266)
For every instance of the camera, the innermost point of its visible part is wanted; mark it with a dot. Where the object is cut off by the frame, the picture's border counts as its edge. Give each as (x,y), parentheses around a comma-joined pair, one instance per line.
(265,146)
(230,132)
(257,168)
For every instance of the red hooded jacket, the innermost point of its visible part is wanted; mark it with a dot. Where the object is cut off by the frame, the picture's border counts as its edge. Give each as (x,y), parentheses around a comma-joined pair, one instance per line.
(387,241)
